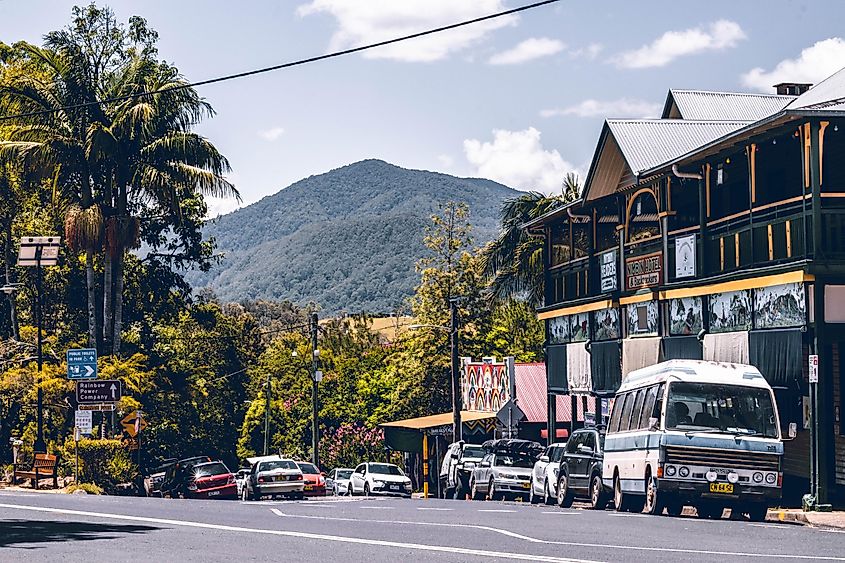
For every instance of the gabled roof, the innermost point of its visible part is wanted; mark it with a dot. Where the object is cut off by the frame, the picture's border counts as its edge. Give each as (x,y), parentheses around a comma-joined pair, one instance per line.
(632,146)
(829,94)
(722,106)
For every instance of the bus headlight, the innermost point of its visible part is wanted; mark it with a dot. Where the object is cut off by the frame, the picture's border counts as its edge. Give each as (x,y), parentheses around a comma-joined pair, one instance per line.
(711,476)
(670,470)
(771,478)
(683,471)
(758,477)
(733,477)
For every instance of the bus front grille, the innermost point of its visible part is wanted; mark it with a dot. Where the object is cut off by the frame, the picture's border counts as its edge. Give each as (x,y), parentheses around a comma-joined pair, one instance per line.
(731,459)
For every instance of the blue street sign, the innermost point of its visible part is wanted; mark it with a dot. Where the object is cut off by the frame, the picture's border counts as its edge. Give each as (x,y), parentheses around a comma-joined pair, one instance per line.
(82,364)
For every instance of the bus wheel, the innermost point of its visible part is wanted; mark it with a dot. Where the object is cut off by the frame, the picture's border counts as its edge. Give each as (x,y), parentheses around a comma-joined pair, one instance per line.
(620,500)
(653,501)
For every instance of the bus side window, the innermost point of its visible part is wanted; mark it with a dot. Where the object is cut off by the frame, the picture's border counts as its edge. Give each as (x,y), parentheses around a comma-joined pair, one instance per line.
(658,402)
(636,412)
(625,423)
(648,406)
(616,414)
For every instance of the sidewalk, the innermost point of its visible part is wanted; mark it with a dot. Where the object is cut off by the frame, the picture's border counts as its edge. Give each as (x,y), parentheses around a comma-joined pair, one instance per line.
(832,520)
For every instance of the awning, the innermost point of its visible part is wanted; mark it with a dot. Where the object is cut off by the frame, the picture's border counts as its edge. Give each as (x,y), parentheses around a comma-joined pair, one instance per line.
(435,420)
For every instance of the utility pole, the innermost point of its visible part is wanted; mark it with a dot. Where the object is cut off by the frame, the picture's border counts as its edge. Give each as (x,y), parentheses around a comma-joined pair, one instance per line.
(315,423)
(40,445)
(267,415)
(456,368)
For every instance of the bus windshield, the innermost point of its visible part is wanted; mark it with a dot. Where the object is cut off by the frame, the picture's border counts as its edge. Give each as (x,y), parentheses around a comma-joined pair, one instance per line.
(711,407)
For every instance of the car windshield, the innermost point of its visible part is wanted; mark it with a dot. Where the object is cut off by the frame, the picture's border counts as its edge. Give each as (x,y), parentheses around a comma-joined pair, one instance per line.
(208,469)
(473,451)
(308,468)
(711,407)
(514,460)
(385,469)
(344,474)
(279,464)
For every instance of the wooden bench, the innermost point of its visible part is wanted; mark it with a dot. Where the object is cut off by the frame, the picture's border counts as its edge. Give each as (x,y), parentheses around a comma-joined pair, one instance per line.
(44,467)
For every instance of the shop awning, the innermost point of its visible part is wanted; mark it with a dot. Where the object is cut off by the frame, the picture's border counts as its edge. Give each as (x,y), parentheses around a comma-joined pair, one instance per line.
(435,420)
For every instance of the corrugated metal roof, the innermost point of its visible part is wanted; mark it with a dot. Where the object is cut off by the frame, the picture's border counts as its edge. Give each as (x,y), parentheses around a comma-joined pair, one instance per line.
(827,93)
(725,106)
(647,143)
(531,394)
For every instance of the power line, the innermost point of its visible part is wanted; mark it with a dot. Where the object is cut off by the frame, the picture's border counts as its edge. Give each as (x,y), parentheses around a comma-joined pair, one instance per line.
(285,65)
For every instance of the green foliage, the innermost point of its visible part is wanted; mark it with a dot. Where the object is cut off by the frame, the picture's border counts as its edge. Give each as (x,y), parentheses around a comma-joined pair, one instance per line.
(105,463)
(89,488)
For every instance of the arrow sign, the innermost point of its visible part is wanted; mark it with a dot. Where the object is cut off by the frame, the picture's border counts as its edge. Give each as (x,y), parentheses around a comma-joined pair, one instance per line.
(98,391)
(82,363)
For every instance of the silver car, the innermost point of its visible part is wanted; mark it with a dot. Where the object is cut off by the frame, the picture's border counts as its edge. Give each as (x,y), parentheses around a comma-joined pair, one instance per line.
(337,482)
(271,476)
(505,470)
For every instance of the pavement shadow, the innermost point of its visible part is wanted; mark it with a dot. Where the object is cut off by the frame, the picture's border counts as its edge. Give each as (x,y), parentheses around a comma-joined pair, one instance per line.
(33,532)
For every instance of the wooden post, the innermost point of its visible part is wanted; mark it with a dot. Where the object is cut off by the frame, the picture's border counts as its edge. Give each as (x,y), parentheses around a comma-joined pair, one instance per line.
(425,464)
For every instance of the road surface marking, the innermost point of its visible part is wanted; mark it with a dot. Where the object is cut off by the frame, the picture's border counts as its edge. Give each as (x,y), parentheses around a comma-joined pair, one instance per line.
(433,508)
(778,526)
(560,512)
(573,544)
(304,535)
(378,507)
(495,510)
(629,515)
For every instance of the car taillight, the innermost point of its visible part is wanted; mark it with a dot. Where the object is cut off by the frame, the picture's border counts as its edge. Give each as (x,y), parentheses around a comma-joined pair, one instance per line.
(261,479)
(298,478)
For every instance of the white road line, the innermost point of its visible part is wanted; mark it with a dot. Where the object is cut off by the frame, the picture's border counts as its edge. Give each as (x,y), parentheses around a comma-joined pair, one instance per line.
(629,515)
(779,526)
(560,512)
(433,508)
(575,544)
(304,535)
(495,510)
(378,507)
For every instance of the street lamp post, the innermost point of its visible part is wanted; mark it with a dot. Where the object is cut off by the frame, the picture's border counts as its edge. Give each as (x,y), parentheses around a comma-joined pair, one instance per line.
(38,252)
(315,376)
(267,416)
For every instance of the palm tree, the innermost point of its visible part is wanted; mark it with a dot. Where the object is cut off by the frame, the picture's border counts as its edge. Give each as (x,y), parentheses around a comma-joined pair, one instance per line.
(513,263)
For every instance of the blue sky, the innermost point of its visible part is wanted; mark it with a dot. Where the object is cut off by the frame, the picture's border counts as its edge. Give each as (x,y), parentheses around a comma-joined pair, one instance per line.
(520,101)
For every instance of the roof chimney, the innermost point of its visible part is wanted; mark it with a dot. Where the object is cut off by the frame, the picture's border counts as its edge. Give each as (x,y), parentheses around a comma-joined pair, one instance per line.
(791,88)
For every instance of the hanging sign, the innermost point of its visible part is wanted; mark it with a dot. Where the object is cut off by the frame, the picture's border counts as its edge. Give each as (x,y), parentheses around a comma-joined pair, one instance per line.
(814,368)
(644,271)
(608,271)
(685,256)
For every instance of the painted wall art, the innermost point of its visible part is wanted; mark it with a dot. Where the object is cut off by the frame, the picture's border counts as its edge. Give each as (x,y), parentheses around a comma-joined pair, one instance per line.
(730,311)
(685,316)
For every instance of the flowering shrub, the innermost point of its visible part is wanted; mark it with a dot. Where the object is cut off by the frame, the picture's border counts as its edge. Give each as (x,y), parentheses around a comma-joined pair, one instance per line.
(350,444)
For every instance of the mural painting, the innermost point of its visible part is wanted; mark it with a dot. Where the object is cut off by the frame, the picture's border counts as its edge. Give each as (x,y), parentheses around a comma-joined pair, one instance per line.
(730,311)
(606,324)
(780,306)
(642,318)
(484,386)
(685,316)
(559,330)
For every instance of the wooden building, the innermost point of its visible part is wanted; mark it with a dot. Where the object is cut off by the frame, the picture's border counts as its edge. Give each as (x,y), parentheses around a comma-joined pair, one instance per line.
(715,232)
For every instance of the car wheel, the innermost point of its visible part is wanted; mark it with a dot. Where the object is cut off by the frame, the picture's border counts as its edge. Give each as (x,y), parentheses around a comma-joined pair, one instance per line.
(653,503)
(366,489)
(298,496)
(532,498)
(757,511)
(564,493)
(598,499)
(547,498)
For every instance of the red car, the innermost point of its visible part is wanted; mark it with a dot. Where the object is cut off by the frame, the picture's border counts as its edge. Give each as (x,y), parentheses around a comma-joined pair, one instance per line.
(211,480)
(315,480)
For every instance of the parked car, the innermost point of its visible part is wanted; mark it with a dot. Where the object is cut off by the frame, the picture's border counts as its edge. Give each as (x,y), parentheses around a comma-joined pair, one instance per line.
(177,476)
(240,479)
(580,473)
(456,469)
(211,480)
(337,481)
(273,475)
(379,479)
(315,480)
(153,482)
(544,476)
(505,470)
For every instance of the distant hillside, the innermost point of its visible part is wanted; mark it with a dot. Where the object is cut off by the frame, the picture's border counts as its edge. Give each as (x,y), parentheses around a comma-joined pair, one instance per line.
(347,239)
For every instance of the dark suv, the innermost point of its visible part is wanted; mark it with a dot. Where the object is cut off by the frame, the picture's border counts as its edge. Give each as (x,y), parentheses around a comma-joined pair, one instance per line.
(580,470)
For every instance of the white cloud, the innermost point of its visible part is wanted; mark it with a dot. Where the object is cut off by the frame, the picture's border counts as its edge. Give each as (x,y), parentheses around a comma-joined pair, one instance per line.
(517,159)
(590,52)
(220,206)
(814,64)
(622,107)
(362,22)
(719,35)
(530,49)
(271,134)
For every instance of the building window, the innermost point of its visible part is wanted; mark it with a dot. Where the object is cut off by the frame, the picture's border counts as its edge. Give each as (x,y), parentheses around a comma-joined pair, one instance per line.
(729,190)
(642,217)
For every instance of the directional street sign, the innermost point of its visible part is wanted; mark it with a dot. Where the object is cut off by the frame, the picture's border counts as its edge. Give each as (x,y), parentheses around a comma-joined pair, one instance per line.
(133,423)
(98,407)
(84,421)
(82,363)
(98,391)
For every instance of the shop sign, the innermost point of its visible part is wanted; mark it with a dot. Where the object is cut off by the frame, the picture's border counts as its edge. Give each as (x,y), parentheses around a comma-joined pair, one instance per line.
(685,256)
(608,271)
(644,271)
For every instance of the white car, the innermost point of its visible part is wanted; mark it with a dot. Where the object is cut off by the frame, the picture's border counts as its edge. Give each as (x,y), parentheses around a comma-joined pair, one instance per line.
(544,476)
(379,479)
(272,475)
(337,481)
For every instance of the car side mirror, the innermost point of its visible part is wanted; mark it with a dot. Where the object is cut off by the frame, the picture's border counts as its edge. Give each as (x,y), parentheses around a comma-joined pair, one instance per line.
(793,430)
(544,458)
(585,449)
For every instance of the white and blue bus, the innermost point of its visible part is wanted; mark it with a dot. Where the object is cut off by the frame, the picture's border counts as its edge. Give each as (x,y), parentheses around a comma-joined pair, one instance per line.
(687,432)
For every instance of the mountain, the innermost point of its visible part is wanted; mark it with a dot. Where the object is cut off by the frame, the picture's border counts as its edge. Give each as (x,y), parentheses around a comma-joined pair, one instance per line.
(347,239)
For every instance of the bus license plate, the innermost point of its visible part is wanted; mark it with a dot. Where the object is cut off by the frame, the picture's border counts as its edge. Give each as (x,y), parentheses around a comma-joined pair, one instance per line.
(721,488)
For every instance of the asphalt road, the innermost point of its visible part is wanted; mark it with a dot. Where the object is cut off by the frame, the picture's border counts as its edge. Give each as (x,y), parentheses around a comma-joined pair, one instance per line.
(54,527)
